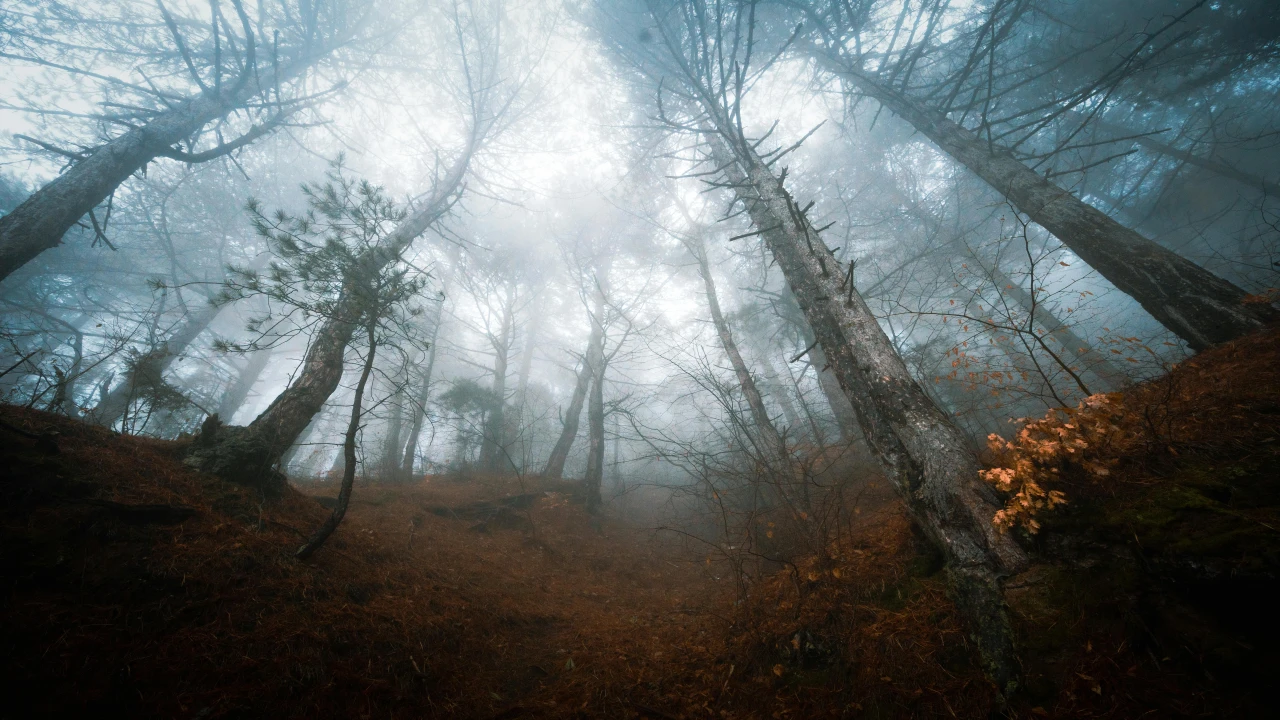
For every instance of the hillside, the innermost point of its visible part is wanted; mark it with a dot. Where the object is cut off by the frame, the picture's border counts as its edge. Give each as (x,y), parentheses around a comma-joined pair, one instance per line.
(136,586)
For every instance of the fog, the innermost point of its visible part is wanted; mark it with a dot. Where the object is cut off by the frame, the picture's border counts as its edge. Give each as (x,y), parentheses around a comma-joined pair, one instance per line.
(677,251)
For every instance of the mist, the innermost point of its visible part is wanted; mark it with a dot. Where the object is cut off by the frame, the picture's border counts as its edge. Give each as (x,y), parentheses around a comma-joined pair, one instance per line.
(757,307)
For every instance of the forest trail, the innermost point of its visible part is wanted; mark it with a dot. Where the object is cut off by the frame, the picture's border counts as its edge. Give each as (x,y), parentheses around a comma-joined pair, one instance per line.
(136,585)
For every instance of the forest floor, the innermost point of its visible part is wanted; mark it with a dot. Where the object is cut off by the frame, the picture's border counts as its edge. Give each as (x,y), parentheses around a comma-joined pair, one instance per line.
(133,585)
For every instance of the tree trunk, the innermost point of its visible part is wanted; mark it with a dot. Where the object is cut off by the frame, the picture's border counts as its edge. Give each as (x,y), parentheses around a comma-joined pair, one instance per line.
(521,440)
(43,218)
(924,455)
(493,448)
(782,395)
(766,434)
(420,409)
(393,443)
(278,427)
(595,434)
(817,433)
(1200,307)
(349,457)
(573,414)
(64,396)
(238,392)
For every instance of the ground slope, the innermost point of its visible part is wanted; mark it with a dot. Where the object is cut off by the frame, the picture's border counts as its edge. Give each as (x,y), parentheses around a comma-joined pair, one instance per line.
(134,585)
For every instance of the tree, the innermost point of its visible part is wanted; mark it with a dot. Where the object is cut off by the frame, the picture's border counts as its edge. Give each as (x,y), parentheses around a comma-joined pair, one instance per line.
(498,287)
(348,455)
(487,104)
(383,291)
(769,438)
(419,407)
(572,414)
(329,261)
(235,64)
(1199,306)
(699,65)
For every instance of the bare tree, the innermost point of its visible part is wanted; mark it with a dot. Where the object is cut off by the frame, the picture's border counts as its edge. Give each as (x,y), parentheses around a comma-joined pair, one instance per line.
(235,65)
(1199,306)
(700,65)
(572,414)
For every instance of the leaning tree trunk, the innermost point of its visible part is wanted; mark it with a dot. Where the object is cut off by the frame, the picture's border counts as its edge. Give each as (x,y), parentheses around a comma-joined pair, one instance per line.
(42,219)
(1200,307)
(572,417)
(348,455)
(764,430)
(249,454)
(573,414)
(924,455)
(783,395)
(117,401)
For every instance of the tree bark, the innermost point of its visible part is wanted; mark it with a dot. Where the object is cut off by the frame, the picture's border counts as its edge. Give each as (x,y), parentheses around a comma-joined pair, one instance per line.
(1200,307)
(40,222)
(349,457)
(924,455)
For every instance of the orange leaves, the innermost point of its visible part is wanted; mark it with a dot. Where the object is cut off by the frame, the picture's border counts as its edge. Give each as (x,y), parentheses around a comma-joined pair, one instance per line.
(1034,457)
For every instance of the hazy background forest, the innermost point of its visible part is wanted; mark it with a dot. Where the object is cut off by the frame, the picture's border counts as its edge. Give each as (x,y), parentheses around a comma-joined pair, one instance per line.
(722,267)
